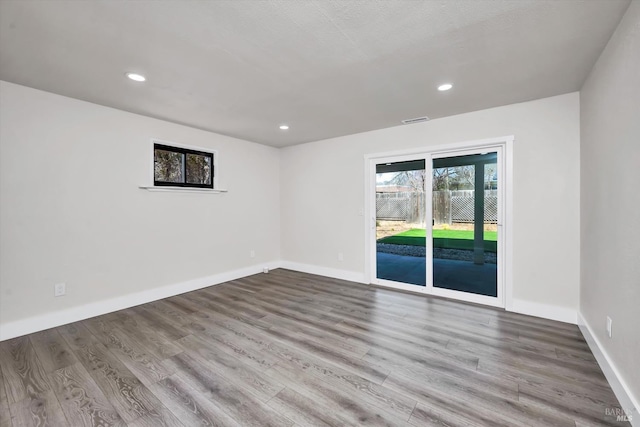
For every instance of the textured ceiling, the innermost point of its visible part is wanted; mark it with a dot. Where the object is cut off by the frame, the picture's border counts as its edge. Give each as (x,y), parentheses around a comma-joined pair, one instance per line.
(327,68)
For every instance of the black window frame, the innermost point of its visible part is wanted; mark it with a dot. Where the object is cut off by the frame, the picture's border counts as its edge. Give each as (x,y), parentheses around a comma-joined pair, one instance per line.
(183,151)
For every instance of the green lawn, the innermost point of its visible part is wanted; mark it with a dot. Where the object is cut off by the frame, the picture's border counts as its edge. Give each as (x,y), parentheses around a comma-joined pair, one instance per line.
(451,239)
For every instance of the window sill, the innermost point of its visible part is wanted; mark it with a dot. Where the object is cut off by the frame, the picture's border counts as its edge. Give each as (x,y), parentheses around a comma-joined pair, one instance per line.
(182,189)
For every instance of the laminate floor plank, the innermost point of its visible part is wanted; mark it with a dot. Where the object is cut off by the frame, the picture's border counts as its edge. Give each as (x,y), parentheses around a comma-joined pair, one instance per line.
(582,407)
(294,302)
(428,416)
(326,336)
(179,301)
(158,417)
(170,312)
(137,330)
(240,305)
(78,336)
(499,387)
(542,331)
(236,289)
(128,395)
(365,369)
(344,308)
(250,353)
(41,409)
(241,405)
(273,288)
(306,338)
(473,329)
(212,307)
(325,370)
(232,369)
(396,361)
(541,378)
(245,286)
(498,348)
(574,355)
(342,401)
(531,322)
(273,306)
(393,325)
(304,411)
(162,325)
(293,349)
(370,332)
(52,350)
(584,372)
(439,311)
(275,343)
(572,341)
(318,286)
(24,375)
(5,415)
(264,307)
(362,389)
(189,405)
(145,366)
(335,374)
(473,404)
(386,338)
(510,347)
(82,401)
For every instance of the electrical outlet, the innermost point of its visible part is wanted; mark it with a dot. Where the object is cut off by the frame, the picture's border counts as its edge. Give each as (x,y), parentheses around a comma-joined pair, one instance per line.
(252,253)
(340,256)
(609,326)
(59,289)
(265,270)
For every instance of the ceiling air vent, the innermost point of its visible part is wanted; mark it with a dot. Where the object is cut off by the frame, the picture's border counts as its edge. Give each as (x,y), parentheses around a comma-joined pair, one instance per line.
(416,120)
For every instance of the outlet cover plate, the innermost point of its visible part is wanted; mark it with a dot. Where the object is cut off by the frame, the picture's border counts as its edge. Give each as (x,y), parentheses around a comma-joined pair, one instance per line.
(59,289)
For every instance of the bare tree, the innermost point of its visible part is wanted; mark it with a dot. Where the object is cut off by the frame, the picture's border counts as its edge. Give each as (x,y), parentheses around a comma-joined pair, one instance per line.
(168,166)
(416,179)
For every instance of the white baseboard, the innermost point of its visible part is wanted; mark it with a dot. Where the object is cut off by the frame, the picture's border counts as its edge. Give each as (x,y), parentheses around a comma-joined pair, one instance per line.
(352,276)
(627,401)
(546,311)
(74,314)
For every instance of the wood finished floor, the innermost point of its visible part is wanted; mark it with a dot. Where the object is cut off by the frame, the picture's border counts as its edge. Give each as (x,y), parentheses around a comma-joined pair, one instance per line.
(288,348)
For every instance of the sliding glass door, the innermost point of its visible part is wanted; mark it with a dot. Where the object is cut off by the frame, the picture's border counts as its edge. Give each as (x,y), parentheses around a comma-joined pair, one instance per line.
(438,223)
(401,221)
(465,192)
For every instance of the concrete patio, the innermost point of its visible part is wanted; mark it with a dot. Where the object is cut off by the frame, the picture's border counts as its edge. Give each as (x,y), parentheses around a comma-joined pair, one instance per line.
(448,274)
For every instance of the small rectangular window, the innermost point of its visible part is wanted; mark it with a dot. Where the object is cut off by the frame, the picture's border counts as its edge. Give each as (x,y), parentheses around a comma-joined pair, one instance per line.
(182,167)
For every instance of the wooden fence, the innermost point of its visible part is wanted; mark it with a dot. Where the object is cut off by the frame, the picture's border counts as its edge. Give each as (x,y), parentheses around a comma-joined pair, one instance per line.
(448,206)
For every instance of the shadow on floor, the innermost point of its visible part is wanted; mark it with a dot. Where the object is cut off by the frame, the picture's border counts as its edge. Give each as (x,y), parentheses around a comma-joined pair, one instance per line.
(448,274)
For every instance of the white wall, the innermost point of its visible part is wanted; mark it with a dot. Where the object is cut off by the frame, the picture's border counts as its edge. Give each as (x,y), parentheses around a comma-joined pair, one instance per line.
(322,188)
(71,210)
(610,162)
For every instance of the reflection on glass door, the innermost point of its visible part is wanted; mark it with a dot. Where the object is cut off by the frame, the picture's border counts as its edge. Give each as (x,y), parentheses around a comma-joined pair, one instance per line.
(400,222)
(465,218)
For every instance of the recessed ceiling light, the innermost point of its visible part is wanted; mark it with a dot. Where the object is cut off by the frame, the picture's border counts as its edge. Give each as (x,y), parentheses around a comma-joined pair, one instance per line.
(136,77)
(284,127)
(445,86)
